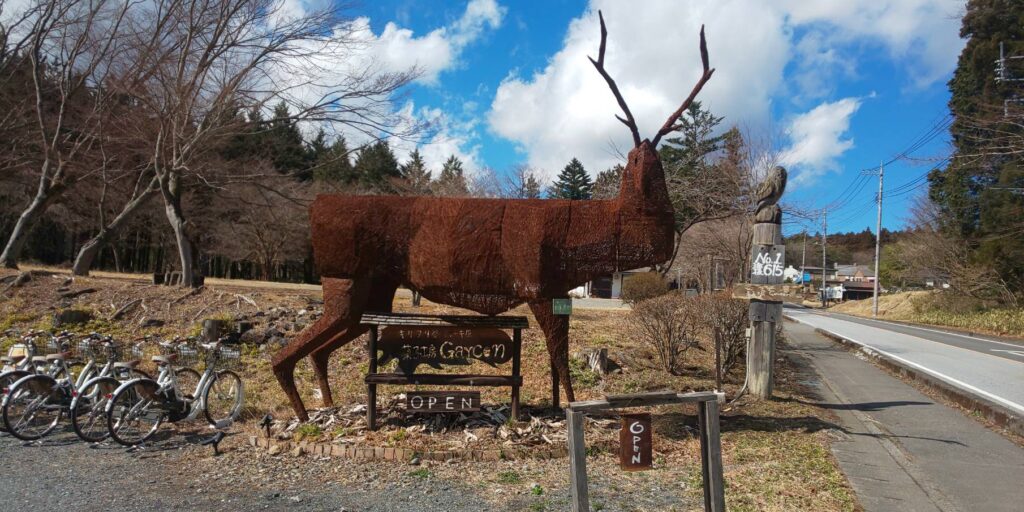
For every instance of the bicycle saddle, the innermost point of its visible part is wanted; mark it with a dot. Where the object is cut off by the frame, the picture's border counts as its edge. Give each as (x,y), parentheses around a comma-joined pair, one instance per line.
(54,357)
(39,359)
(127,364)
(165,359)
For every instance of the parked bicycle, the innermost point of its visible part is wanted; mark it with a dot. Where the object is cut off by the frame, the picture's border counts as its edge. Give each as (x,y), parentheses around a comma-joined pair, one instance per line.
(35,403)
(138,407)
(88,407)
(20,361)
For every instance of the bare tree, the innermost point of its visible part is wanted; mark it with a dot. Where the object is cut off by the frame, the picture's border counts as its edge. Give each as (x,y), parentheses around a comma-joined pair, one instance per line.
(523,183)
(214,58)
(69,47)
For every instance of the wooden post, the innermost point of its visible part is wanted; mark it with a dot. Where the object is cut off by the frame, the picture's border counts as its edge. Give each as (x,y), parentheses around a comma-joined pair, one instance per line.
(212,329)
(711,456)
(517,343)
(554,387)
(371,389)
(577,462)
(764,314)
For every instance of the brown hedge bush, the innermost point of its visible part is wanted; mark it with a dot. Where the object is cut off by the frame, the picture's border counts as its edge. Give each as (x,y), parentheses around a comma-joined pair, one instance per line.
(640,287)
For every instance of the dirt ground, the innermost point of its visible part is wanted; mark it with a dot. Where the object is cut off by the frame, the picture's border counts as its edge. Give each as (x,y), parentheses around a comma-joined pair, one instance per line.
(776,453)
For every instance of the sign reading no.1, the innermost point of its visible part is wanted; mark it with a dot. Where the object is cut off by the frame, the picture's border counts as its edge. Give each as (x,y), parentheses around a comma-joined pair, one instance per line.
(767,264)
(635,446)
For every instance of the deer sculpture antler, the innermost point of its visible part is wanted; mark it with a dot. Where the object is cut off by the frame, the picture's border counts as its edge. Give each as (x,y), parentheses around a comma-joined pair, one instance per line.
(670,124)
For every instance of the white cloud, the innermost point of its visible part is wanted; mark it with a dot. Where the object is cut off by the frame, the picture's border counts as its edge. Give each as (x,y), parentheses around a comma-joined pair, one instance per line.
(817,138)
(566,110)
(398,49)
(446,137)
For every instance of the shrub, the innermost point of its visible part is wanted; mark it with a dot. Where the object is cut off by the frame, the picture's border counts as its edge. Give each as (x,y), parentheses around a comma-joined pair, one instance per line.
(640,287)
(725,320)
(668,325)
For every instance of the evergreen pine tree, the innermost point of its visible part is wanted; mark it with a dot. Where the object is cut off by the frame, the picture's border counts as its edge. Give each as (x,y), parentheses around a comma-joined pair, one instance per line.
(284,142)
(451,181)
(572,183)
(376,166)
(531,187)
(416,174)
(332,165)
(975,192)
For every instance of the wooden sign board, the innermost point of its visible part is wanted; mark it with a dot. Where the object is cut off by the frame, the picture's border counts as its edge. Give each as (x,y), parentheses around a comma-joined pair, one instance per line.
(635,442)
(442,345)
(767,264)
(561,307)
(442,401)
(768,292)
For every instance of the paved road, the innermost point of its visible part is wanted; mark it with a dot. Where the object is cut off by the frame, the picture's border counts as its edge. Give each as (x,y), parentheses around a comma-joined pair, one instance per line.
(902,450)
(980,366)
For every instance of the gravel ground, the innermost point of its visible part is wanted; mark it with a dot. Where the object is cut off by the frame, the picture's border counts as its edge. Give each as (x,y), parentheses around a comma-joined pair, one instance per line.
(61,473)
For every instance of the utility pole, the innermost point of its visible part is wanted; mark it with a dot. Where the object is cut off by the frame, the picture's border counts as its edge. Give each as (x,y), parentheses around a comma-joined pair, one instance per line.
(878,236)
(824,240)
(803,260)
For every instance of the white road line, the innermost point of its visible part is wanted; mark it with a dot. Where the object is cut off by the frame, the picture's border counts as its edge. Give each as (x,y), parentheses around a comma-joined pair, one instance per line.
(897,324)
(1013,405)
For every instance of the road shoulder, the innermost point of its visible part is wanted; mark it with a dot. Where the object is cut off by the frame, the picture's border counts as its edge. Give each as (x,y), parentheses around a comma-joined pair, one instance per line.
(901,449)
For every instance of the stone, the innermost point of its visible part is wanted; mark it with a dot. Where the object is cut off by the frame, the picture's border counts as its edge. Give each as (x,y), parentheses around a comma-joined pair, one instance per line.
(71,317)
(275,450)
(297,451)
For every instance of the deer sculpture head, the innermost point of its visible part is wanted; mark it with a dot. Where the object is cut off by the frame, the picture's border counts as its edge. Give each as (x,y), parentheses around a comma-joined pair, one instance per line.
(486,255)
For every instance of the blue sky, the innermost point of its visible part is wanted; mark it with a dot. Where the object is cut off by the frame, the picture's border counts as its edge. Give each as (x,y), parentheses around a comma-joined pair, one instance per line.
(828,87)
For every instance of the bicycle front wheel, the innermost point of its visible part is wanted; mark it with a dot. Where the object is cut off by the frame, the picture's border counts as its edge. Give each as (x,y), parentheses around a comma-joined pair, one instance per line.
(33,407)
(223,397)
(7,379)
(88,409)
(133,413)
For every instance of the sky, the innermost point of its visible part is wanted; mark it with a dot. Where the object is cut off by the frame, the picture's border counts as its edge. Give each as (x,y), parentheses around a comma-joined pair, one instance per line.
(833,87)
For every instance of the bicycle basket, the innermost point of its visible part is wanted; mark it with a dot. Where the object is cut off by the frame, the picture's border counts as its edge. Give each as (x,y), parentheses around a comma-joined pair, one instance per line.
(188,355)
(57,345)
(112,352)
(86,348)
(230,357)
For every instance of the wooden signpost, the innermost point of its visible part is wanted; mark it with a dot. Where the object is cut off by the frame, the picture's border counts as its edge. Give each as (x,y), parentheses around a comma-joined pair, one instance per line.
(439,341)
(635,442)
(708,431)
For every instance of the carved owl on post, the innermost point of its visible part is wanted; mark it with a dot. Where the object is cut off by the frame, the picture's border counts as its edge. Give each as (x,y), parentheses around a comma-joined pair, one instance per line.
(768,194)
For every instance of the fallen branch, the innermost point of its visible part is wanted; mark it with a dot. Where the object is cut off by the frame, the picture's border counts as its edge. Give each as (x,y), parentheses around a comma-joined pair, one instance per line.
(192,292)
(72,294)
(200,313)
(124,309)
(247,299)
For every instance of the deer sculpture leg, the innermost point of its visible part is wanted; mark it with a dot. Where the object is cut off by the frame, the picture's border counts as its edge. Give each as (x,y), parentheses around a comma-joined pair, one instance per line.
(556,332)
(344,300)
(381,297)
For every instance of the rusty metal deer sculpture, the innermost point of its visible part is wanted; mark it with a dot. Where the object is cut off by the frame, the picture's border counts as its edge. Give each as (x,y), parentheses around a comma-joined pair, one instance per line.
(486,255)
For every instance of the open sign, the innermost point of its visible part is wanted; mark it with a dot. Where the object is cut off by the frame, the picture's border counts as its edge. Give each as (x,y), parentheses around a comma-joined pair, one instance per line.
(442,401)
(635,446)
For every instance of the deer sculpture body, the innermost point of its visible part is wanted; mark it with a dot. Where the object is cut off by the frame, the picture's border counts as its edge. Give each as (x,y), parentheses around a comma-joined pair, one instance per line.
(486,255)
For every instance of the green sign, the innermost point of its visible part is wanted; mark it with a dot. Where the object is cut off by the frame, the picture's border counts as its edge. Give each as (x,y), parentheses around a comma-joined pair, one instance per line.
(561,306)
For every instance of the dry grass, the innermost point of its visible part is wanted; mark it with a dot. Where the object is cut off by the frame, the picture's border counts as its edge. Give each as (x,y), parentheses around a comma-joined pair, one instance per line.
(776,453)
(930,308)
